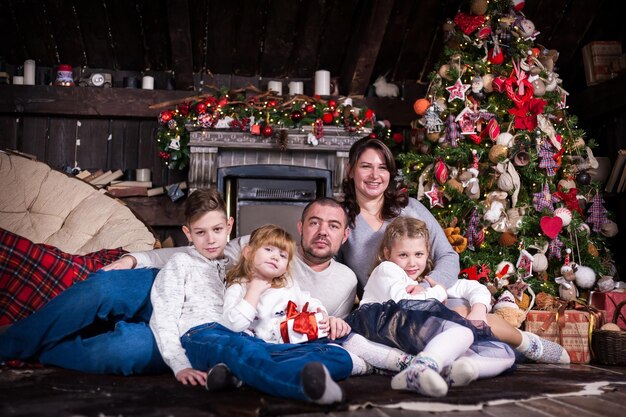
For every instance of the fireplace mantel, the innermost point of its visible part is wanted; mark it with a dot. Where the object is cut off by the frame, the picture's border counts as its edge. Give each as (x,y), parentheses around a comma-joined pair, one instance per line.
(214,149)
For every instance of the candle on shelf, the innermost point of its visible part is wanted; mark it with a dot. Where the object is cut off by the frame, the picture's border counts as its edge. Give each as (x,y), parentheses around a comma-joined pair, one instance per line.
(18,80)
(276,86)
(147,82)
(322,83)
(29,72)
(296,87)
(347,102)
(143,174)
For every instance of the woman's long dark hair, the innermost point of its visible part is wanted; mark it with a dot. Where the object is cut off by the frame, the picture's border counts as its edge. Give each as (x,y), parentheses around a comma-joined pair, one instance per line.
(394,200)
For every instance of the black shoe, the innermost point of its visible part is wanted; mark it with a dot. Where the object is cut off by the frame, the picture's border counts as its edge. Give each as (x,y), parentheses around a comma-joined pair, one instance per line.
(219,378)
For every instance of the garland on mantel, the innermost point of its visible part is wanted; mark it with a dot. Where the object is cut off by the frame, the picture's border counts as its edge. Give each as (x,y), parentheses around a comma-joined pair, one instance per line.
(263,114)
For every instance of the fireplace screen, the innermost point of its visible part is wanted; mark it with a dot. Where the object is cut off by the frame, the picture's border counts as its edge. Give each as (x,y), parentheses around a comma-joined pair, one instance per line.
(259,194)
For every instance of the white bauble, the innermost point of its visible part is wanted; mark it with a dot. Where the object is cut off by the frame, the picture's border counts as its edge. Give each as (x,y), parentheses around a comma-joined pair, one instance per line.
(565,214)
(540,262)
(585,277)
(505,182)
(504,139)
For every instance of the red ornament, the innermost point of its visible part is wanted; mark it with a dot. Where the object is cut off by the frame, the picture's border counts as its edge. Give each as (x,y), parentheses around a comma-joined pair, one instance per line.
(309,108)
(332,104)
(267,131)
(398,137)
(496,57)
(183,109)
(369,114)
(441,171)
(296,116)
(372,135)
(327,118)
(223,101)
(165,116)
(201,107)
(272,103)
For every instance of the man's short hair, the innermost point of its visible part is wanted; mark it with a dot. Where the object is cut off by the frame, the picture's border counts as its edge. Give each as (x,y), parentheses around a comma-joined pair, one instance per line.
(328,202)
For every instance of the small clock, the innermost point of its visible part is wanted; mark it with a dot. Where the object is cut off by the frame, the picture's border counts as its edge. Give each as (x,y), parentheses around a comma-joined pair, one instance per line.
(97,79)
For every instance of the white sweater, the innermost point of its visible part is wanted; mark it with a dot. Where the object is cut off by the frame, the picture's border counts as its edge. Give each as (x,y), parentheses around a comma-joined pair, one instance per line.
(388,282)
(264,320)
(187,292)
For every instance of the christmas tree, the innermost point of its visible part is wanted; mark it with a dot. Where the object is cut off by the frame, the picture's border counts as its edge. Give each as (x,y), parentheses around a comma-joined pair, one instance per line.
(499,160)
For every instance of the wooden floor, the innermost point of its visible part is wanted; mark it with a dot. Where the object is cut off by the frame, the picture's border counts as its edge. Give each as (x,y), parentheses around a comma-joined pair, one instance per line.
(531,390)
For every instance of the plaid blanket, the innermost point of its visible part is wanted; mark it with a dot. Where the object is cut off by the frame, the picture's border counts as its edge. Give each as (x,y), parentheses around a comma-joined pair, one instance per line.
(32,274)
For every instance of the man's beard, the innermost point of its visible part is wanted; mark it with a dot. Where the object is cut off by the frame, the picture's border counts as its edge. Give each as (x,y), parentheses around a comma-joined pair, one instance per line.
(312,257)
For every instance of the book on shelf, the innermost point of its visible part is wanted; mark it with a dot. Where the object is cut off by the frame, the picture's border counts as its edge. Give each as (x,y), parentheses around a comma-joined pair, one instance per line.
(121,184)
(616,172)
(107,177)
(128,191)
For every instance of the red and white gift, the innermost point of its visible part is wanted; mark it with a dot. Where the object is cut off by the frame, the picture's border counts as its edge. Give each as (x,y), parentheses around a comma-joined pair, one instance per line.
(301,326)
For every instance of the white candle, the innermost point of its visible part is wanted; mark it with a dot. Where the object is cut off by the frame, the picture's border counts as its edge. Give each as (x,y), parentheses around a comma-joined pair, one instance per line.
(147,82)
(322,83)
(296,87)
(275,86)
(347,102)
(29,72)
(18,80)
(142,174)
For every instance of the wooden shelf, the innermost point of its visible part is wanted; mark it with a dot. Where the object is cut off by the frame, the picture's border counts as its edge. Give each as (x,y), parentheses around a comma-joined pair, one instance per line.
(135,103)
(85,101)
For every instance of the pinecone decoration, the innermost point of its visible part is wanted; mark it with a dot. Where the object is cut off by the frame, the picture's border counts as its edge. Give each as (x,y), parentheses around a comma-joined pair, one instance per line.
(283,140)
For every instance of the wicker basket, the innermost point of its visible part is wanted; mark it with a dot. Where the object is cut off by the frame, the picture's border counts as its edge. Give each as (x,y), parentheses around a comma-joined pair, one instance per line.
(609,347)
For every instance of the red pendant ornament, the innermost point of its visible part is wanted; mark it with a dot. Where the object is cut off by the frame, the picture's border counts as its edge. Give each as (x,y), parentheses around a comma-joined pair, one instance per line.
(440,171)
(495,56)
(267,131)
(332,104)
(296,116)
(328,118)
(309,108)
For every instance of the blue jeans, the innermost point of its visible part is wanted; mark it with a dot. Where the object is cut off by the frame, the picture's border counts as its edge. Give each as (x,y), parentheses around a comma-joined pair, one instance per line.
(116,304)
(269,367)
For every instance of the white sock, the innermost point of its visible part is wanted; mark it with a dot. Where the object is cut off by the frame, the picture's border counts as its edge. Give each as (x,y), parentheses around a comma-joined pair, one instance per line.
(318,385)
(461,372)
(542,350)
(359,365)
(376,354)
(421,376)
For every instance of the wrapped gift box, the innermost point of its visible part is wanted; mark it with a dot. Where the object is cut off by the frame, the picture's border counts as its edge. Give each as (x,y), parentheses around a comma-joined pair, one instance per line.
(598,57)
(570,329)
(291,335)
(608,301)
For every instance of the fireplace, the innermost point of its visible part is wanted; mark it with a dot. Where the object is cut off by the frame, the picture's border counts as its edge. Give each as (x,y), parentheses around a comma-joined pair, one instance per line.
(264,183)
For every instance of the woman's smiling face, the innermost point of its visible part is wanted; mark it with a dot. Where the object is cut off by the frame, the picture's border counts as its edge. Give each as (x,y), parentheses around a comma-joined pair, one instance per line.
(370,174)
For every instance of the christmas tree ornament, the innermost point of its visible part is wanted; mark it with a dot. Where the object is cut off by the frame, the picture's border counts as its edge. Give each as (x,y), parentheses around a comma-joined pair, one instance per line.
(539,87)
(551,226)
(585,277)
(267,131)
(455,185)
(564,214)
(420,106)
(440,171)
(592,250)
(505,182)
(596,215)
(518,4)
(468,23)
(507,239)
(327,118)
(457,90)
(478,7)
(174,143)
(458,241)
(567,287)
(524,264)
(504,270)
(488,82)
(496,209)
(566,184)
(498,153)
(504,139)
(444,72)
(521,158)
(493,129)
(609,229)
(435,196)
(540,262)
(583,178)
(296,116)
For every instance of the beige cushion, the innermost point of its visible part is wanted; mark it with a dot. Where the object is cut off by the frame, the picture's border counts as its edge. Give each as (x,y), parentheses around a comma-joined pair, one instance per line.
(48,206)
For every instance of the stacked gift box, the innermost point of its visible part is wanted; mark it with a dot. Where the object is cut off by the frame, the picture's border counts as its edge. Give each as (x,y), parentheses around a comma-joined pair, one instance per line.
(600,59)
(571,329)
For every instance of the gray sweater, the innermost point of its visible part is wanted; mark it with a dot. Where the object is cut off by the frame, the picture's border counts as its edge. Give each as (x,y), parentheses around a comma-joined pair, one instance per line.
(359,251)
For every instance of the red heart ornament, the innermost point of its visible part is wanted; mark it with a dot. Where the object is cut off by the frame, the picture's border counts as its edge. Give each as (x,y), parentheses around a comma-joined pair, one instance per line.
(551,226)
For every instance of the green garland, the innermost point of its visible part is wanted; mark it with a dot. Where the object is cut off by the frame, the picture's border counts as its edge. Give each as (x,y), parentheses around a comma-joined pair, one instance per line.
(264,115)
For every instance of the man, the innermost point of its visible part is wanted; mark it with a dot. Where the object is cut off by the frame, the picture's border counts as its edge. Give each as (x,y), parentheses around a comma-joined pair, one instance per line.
(61,332)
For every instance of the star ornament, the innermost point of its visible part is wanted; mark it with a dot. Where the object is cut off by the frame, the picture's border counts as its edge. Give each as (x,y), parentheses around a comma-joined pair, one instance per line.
(457,91)
(435,196)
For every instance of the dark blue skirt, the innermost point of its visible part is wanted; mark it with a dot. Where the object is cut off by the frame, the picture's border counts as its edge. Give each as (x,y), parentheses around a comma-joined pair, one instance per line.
(410,324)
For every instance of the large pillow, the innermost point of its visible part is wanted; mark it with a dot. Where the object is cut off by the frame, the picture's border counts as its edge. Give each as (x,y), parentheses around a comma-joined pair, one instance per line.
(48,206)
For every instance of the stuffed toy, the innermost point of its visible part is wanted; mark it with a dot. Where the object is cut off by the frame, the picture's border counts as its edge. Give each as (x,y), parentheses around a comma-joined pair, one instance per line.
(567,285)
(507,308)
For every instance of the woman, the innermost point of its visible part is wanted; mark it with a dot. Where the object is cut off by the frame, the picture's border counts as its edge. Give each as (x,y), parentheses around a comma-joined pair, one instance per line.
(372,202)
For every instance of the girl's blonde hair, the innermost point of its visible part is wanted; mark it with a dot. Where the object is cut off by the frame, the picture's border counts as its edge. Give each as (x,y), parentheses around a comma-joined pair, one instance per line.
(268,235)
(403,227)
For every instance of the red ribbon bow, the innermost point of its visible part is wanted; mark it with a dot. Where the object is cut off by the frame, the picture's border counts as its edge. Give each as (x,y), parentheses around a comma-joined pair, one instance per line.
(303,322)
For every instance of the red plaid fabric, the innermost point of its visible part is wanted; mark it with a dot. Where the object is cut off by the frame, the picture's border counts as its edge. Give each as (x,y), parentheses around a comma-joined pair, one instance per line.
(32,274)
